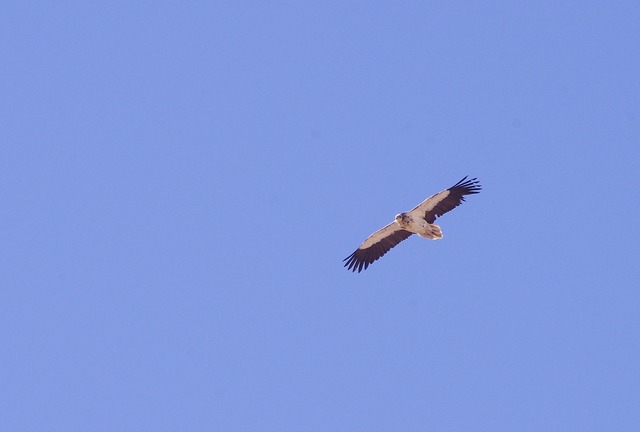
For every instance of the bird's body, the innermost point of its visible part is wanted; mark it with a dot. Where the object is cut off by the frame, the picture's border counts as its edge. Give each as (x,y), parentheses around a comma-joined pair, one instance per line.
(419,220)
(418,226)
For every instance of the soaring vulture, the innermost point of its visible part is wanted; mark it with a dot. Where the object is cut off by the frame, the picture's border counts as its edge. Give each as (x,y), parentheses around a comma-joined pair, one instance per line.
(419,221)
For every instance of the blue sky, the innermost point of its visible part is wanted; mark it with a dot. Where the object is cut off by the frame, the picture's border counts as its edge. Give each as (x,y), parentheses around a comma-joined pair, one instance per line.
(180,182)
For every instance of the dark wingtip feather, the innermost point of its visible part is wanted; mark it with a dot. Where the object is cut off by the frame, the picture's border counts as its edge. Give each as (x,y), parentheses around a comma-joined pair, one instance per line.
(468,187)
(353,263)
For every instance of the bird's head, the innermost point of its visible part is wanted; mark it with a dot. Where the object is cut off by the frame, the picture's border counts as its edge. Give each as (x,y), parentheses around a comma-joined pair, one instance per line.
(400,219)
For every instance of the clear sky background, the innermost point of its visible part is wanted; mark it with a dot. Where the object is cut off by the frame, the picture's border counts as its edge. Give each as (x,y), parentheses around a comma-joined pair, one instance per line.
(180,181)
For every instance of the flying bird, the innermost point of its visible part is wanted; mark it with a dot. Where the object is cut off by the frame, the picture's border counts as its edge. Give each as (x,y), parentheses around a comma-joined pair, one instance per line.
(419,221)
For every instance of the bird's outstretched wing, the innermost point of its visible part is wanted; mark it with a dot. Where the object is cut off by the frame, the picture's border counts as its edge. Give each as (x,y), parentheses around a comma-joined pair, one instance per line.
(442,202)
(378,244)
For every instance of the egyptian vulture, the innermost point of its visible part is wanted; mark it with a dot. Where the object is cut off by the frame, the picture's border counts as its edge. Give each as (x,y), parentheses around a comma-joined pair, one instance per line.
(419,221)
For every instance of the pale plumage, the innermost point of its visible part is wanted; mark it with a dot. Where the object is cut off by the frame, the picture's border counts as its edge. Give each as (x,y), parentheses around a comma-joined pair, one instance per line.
(419,221)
